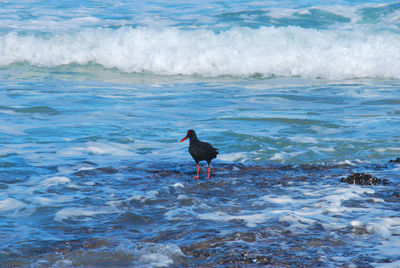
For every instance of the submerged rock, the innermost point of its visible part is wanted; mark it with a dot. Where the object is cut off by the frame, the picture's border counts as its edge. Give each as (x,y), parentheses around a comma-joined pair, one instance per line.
(245,258)
(363,179)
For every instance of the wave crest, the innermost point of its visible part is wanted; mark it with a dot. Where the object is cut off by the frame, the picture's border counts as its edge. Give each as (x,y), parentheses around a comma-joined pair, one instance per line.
(267,51)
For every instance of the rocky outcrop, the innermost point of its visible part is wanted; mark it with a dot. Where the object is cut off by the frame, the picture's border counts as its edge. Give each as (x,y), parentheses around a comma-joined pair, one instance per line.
(363,179)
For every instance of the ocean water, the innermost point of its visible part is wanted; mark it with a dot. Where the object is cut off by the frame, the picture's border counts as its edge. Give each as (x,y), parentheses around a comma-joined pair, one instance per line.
(95,96)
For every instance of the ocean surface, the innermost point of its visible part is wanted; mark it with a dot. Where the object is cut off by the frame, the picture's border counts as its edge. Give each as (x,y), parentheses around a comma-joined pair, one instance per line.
(296,95)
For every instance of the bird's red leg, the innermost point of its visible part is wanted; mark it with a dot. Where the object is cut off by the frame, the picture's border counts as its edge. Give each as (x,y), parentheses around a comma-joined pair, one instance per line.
(208,176)
(198,170)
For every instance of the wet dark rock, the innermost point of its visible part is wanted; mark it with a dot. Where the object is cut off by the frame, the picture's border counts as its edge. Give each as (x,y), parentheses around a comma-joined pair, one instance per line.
(247,237)
(245,258)
(396,194)
(363,179)
(397,160)
(310,167)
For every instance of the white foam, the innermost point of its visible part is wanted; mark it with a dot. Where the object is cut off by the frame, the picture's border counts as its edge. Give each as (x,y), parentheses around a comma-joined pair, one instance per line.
(321,149)
(13,129)
(54,181)
(385,227)
(303,139)
(296,221)
(178,185)
(278,199)
(382,150)
(157,260)
(55,200)
(376,200)
(143,196)
(233,157)
(97,148)
(251,219)
(333,199)
(356,223)
(182,197)
(284,51)
(179,214)
(283,156)
(9,204)
(346,162)
(159,255)
(320,207)
(82,212)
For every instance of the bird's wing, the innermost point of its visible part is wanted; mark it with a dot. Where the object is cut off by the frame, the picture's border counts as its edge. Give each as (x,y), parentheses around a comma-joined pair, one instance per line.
(207,148)
(211,148)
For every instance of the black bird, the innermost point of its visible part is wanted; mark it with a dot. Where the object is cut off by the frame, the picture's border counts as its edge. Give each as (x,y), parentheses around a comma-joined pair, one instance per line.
(200,151)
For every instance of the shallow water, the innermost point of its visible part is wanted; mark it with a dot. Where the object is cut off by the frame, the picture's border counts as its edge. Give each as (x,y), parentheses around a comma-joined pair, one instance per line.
(141,214)
(94,98)
(92,173)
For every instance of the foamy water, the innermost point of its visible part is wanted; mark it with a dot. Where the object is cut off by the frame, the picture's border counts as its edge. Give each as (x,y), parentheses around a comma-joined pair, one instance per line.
(95,98)
(241,52)
(245,39)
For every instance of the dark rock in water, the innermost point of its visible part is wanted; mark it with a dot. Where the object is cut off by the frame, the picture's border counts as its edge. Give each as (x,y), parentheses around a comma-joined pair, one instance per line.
(397,160)
(245,258)
(363,179)
(396,194)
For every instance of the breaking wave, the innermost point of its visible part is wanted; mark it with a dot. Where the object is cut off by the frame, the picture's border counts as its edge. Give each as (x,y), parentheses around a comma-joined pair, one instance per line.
(237,52)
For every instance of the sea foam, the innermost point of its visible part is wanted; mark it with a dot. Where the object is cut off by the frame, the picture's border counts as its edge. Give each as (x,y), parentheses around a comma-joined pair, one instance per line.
(9,204)
(82,213)
(240,51)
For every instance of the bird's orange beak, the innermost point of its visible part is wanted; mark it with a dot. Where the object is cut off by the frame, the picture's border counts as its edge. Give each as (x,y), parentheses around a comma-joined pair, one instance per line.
(184,139)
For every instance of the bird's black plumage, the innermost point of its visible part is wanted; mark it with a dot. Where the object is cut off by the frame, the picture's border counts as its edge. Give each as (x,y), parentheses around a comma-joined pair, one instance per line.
(200,150)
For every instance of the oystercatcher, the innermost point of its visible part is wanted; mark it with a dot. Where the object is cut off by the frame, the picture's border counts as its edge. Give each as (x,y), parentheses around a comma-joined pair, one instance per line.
(200,151)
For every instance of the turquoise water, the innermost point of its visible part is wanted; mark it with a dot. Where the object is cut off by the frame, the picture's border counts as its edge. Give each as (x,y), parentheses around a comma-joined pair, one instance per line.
(96,96)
